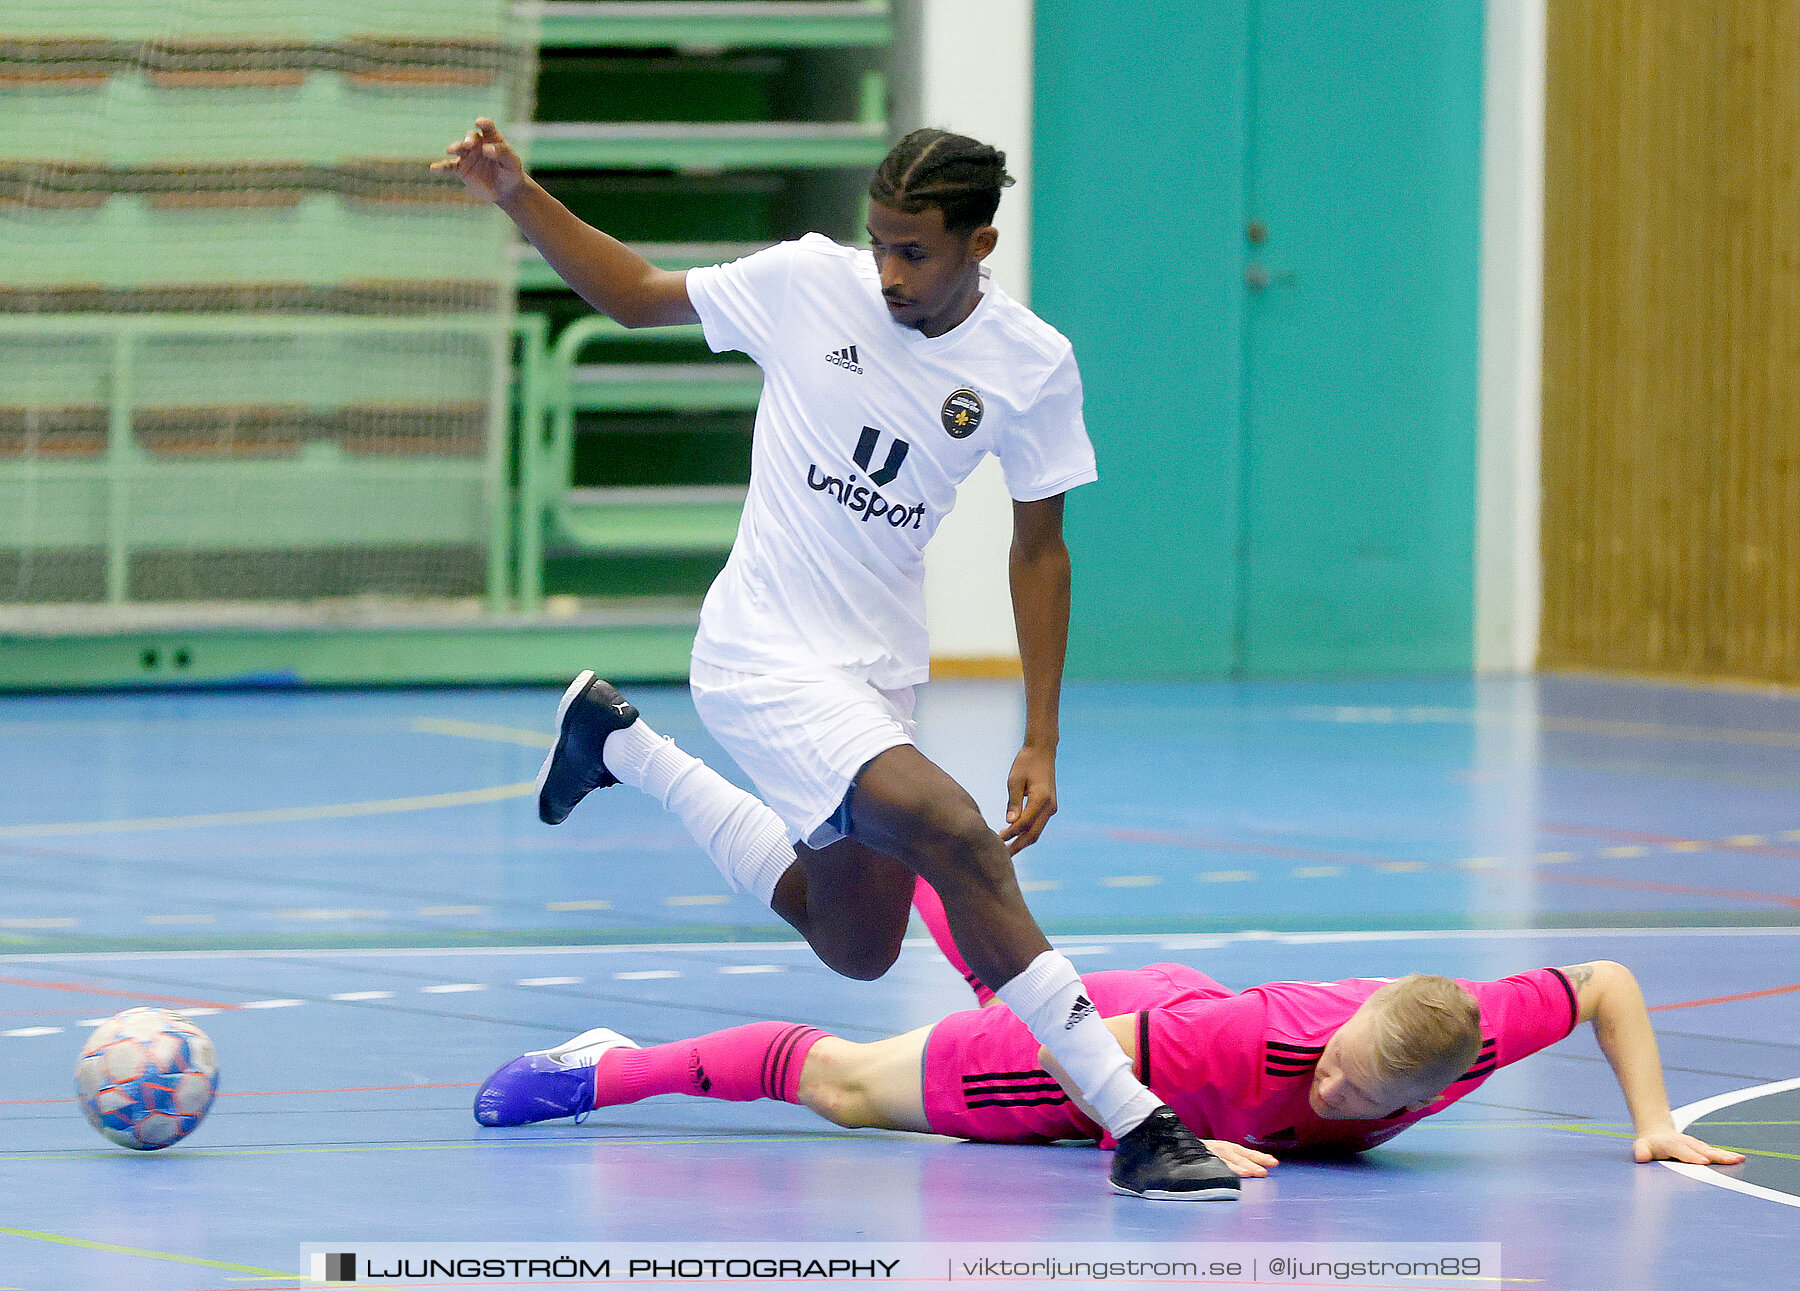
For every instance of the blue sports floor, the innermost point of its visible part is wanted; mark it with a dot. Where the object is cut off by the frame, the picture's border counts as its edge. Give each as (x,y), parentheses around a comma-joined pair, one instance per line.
(351,892)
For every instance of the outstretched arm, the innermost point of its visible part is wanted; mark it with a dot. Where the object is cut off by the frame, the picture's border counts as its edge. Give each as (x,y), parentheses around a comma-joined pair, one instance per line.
(609,275)
(1608,996)
(1039,568)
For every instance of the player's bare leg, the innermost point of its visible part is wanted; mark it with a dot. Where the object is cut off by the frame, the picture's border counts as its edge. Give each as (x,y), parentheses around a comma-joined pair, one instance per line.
(850,902)
(907,817)
(905,806)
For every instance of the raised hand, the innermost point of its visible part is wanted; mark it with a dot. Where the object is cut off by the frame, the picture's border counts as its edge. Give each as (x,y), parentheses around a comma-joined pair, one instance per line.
(485,162)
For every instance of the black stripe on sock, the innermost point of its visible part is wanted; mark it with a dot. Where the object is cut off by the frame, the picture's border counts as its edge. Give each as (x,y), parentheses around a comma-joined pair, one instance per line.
(772,1057)
(1036,1074)
(780,1058)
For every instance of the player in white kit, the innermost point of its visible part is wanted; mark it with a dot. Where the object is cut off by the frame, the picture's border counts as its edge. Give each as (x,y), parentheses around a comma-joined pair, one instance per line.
(888,374)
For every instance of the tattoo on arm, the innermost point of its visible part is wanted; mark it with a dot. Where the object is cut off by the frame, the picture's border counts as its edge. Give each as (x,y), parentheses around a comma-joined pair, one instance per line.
(1578,975)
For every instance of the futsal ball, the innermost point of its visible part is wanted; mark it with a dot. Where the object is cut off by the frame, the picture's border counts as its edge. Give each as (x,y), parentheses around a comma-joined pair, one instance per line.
(146,1077)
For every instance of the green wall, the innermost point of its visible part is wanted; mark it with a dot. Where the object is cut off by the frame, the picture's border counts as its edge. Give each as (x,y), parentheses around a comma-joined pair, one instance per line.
(1137,205)
(1287,472)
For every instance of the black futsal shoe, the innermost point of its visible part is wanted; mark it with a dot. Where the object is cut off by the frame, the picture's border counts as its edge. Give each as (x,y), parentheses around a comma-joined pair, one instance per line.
(590,711)
(1163,1160)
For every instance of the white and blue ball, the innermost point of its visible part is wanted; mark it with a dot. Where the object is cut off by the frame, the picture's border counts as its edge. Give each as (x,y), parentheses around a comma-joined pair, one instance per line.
(146,1078)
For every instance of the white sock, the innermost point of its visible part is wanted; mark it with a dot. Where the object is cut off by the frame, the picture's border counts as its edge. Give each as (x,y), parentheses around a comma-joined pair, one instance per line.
(739,831)
(1048,998)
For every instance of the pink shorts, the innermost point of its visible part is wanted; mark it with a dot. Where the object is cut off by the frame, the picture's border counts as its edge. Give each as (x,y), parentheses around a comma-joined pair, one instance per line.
(982,1076)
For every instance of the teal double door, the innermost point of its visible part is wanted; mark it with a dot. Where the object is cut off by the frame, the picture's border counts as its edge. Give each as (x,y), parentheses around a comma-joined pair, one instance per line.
(1258,221)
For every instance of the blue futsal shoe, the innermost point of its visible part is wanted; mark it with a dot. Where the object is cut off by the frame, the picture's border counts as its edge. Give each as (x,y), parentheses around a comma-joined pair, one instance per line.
(590,711)
(547,1083)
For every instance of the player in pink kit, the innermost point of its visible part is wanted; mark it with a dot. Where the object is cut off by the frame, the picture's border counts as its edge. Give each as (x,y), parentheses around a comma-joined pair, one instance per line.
(1278,1070)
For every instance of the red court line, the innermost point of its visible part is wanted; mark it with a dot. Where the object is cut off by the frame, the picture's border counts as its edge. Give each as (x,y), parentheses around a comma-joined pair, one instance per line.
(1677,889)
(120,995)
(1726,999)
(265,1093)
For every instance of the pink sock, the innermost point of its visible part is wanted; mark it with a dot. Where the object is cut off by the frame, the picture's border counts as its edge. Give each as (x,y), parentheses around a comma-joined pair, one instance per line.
(761,1060)
(931,909)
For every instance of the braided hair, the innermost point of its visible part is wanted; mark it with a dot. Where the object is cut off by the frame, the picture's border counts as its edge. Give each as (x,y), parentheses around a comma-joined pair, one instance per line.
(952,172)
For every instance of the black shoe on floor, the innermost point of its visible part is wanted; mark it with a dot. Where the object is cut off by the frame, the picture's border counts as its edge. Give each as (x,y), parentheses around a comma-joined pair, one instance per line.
(1163,1160)
(590,711)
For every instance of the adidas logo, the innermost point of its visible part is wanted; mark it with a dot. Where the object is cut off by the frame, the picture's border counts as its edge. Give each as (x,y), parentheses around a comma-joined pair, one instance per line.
(1083,1007)
(846,359)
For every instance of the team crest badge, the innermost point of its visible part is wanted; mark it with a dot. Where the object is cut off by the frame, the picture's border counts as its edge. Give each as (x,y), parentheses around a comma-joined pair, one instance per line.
(962,413)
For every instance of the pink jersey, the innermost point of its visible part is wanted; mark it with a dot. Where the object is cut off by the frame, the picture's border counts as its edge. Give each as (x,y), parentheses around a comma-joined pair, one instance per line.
(1233,1066)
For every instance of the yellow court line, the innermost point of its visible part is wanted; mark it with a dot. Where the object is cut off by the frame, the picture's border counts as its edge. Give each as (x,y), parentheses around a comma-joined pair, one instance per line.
(476,731)
(329,811)
(1616,1134)
(136,1250)
(273,816)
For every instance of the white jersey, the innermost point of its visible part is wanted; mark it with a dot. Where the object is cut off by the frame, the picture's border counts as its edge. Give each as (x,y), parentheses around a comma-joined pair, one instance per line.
(864,431)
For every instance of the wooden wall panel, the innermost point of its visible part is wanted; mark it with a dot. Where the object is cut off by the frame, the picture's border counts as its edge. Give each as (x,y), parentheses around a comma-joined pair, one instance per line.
(1671,508)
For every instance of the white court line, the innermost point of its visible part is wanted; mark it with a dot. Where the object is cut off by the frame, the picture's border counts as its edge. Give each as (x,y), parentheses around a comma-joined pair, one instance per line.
(268,1004)
(351,996)
(1686,1116)
(453,988)
(645,975)
(751,968)
(1168,941)
(549,981)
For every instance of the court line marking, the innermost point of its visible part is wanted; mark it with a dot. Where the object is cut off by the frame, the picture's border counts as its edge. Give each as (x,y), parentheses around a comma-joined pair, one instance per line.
(274,815)
(480,731)
(79,989)
(1414,715)
(1686,1116)
(138,1250)
(1531,865)
(1167,941)
(585,1143)
(270,1093)
(1728,999)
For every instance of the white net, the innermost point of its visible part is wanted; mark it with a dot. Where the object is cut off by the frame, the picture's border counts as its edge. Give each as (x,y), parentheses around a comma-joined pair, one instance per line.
(254,355)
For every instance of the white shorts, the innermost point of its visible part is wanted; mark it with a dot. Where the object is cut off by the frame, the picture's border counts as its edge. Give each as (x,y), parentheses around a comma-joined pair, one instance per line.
(802,735)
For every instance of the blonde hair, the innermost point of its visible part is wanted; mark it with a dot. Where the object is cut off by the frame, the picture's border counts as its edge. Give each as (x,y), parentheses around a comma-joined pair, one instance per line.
(1425,1031)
